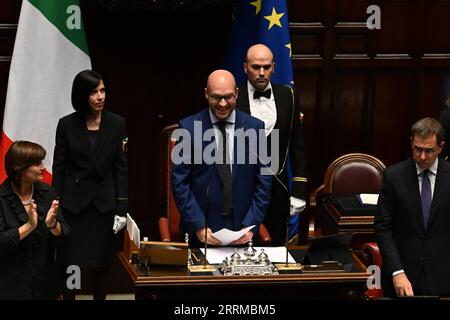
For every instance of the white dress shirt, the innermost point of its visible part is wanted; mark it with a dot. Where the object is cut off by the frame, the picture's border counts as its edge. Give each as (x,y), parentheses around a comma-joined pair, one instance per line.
(432,171)
(262,108)
(229,128)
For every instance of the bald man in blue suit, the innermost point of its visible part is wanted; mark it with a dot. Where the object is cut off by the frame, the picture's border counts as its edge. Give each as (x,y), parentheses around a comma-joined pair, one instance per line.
(200,189)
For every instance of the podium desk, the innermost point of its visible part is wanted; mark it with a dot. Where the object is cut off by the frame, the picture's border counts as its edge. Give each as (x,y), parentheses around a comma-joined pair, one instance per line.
(338,215)
(173,284)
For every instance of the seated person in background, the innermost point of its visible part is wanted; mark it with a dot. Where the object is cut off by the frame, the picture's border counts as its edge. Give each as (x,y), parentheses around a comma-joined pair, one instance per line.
(231,194)
(30,226)
(412,222)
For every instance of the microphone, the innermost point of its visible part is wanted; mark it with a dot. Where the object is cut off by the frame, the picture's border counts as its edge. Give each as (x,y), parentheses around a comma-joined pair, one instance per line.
(205,269)
(286,267)
(207,211)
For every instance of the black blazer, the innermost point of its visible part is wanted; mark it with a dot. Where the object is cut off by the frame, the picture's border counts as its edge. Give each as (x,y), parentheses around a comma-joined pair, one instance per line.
(27,268)
(82,175)
(289,124)
(404,241)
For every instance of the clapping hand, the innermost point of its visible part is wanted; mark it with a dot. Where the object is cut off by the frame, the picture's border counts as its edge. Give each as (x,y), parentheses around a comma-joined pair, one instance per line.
(32,215)
(50,220)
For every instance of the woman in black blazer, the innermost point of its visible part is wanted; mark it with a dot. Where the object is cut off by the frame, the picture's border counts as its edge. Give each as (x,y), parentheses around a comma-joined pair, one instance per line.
(90,176)
(31,227)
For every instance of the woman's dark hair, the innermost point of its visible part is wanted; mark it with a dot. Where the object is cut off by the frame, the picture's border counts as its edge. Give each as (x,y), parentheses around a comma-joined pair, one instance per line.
(20,156)
(83,84)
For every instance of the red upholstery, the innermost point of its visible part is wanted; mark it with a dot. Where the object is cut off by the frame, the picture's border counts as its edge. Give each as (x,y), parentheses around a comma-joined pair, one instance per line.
(354,173)
(350,173)
(372,256)
(170,221)
(372,253)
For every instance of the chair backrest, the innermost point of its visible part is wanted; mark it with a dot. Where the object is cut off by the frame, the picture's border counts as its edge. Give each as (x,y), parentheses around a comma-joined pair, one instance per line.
(169,206)
(354,173)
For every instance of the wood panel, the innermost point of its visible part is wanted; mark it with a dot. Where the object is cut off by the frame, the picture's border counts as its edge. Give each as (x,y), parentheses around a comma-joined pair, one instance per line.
(9,11)
(436,26)
(392,115)
(396,35)
(9,16)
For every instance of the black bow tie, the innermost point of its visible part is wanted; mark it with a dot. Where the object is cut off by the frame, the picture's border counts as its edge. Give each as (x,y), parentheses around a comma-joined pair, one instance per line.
(259,94)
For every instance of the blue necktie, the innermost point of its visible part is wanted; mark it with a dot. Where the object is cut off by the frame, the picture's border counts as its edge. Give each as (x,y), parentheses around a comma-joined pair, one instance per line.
(226,171)
(425,197)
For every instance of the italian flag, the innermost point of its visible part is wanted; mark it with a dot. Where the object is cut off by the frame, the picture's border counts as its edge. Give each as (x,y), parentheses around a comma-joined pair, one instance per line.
(49,50)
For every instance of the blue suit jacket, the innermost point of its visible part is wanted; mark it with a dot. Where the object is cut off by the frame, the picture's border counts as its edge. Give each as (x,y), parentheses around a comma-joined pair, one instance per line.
(251,190)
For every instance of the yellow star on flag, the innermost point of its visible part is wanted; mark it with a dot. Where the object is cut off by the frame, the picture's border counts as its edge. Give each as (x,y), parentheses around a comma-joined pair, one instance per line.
(274,18)
(257,4)
(290,49)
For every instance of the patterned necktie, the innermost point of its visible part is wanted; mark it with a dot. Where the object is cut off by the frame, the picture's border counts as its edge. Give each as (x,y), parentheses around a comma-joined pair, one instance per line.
(425,197)
(226,171)
(258,94)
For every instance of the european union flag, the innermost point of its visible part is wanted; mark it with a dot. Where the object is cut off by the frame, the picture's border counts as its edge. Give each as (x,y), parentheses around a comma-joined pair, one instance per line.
(267,22)
(260,21)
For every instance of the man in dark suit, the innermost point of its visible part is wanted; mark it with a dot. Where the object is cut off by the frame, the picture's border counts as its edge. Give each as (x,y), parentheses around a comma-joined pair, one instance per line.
(412,223)
(232,196)
(278,106)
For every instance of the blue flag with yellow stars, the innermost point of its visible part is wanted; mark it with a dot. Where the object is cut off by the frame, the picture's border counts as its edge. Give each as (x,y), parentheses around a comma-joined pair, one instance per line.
(266,22)
(260,21)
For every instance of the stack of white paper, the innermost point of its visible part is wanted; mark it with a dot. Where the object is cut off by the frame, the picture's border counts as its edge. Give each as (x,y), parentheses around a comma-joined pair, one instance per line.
(276,254)
(133,231)
(227,236)
(369,198)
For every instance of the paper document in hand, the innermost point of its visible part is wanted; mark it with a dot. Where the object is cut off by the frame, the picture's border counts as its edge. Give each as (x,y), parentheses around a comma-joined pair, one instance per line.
(133,231)
(227,236)
(276,254)
(369,198)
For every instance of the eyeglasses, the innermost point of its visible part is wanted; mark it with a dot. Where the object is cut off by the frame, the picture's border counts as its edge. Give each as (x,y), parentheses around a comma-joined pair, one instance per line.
(228,98)
(428,151)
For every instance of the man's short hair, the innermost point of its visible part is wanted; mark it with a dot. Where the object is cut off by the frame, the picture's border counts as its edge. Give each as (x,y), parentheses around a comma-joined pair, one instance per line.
(426,127)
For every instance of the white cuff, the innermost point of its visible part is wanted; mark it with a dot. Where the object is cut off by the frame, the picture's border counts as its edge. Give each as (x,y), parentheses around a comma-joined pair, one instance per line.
(398,272)
(119,223)
(297,206)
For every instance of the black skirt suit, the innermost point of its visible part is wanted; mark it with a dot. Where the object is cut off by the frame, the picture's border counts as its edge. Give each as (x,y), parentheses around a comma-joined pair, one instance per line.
(90,176)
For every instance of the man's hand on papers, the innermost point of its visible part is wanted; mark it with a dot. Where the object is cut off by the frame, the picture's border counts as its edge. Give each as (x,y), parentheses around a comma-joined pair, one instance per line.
(244,239)
(210,239)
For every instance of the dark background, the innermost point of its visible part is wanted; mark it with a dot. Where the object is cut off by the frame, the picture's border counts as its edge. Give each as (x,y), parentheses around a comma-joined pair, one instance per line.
(360,90)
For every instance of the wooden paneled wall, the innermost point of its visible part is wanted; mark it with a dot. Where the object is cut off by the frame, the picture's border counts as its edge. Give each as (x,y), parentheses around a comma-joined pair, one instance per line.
(360,89)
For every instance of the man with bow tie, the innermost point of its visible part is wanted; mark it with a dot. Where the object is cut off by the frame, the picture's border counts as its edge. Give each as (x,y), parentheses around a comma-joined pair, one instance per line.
(278,107)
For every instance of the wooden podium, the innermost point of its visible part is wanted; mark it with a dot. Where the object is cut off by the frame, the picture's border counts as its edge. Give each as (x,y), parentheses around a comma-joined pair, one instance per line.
(335,219)
(174,284)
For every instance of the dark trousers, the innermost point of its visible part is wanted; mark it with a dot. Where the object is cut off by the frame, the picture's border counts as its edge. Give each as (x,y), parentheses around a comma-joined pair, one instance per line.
(99,281)
(421,287)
